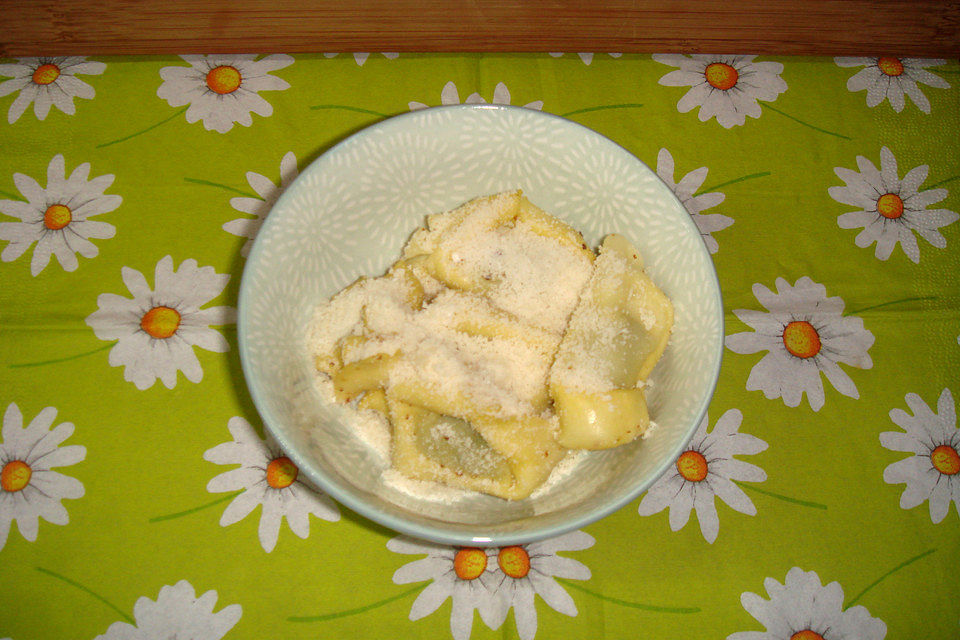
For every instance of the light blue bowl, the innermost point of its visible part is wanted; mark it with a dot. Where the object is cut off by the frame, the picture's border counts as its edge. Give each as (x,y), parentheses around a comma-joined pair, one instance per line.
(350,212)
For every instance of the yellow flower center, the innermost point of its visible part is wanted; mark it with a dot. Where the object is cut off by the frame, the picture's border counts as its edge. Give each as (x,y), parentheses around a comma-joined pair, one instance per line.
(890,65)
(890,206)
(721,75)
(160,322)
(806,634)
(57,216)
(801,339)
(946,460)
(692,466)
(46,74)
(223,79)
(281,472)
(470,563)
(514,561)
(15,475)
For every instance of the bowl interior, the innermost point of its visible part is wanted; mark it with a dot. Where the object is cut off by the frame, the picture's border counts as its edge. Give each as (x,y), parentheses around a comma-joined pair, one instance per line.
(349,214)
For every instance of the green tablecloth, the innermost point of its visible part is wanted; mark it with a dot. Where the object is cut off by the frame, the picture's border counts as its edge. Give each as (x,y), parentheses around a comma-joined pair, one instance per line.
(814,502)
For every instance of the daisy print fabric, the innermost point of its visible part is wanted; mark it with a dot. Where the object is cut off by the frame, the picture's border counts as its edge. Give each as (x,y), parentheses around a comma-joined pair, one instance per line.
(46,83)
(223,90)
(267,478)
(805,334)
(29,487)
(451,95)
(708,469)
(58,217)
(686,191)
(932,473)
(892,210)
(723,87)
(268,192)
(156,330)
(892,79)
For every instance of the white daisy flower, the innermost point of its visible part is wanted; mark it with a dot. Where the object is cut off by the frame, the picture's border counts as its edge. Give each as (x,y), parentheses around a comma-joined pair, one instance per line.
(523,572)
(29,489)
(586,58)
(268,478)
(932,473)
(449,95)
(177,613)
(57,217)
(157,329)
(47,82)
(360,58)
(707,469)
(223,89)
(803,609)
(891,208)
(727,87)
(260,207)
(684,190)
(805,334)
(889,78)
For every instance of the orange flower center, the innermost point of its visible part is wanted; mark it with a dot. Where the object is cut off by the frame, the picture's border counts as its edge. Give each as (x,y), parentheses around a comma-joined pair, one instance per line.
(15,475)
(721,75)
(514,561)
(946,460)
(806,634)
(890,206)
(223,79)
(160,322)
(890,66)
(801,339)
(281,473)
(692,466)
(46,74)
(57,216)
(470,563)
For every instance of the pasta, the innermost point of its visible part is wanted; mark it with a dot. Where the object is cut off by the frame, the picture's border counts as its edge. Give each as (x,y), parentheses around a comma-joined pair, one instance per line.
(495,343)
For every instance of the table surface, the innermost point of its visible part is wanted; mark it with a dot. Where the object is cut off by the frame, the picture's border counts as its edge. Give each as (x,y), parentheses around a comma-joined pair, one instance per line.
(132,464)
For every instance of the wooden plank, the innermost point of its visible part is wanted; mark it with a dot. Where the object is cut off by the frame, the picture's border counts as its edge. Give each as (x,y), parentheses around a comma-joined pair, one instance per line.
(928,28)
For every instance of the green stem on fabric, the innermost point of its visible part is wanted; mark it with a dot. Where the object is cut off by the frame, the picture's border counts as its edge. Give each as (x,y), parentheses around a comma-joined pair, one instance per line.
(355,611)
(74,583)
(943,182)
(317,107)
(950,70)
(887,304)
(625,105)
(806,124)
(778,496)
(178,514)
(10,196)
(20,365)
(142,131)
(627,603)
(888,574)
(730,182)
(208,183)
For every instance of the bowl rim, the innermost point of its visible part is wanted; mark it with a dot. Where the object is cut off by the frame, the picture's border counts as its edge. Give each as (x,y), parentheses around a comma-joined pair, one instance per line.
(424,527)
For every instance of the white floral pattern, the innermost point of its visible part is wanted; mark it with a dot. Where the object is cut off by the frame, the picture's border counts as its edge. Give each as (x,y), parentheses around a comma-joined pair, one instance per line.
(802,604)
(29,488)
(260,207)
(266,477)
(932,473)
(585,58)
(47,82)
(805,334)
(450,95)
(223,89)
(360,57)
(725,87)
(889,78)
(695,204)
(707,469)
(58,217)
(891,209)
(157,329)
(177,613)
